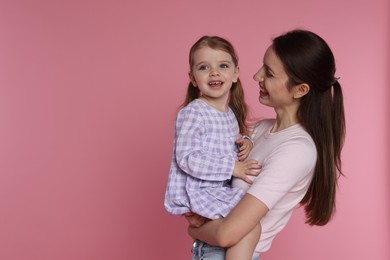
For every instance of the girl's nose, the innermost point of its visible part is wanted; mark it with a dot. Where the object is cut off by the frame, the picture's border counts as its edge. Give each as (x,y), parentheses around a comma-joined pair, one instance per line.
(214,72)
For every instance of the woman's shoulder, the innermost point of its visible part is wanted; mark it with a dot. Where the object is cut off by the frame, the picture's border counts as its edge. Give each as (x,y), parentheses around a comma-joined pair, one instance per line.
(265,122)
(262,124)
(293,133)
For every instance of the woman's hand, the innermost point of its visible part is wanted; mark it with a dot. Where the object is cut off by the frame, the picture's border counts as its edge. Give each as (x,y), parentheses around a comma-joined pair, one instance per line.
(244,169)
(194,220)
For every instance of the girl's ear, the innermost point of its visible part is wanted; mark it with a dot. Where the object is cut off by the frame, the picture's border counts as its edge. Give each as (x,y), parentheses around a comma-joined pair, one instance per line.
(236,74)
(192,78)
(301,90)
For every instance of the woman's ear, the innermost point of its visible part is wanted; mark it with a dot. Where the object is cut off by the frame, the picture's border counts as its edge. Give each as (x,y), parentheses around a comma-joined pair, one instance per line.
(301,90)
(192,78)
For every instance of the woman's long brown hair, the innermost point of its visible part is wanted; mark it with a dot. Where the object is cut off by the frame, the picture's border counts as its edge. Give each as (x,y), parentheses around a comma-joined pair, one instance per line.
(308,59)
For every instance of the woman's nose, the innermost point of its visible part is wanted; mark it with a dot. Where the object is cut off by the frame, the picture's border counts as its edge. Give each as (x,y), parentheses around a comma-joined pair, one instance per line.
(258,76)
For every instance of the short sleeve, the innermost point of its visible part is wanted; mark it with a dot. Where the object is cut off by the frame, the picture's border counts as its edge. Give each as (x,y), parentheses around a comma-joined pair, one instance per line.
(286,170)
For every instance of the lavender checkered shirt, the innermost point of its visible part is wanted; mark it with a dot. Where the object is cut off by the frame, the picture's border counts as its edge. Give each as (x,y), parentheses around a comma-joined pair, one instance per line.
(203,160)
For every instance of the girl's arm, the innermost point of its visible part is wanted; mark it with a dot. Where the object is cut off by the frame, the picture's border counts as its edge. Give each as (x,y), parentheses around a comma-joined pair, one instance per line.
(245,146)
(197,161)
(191,156)
(226,232)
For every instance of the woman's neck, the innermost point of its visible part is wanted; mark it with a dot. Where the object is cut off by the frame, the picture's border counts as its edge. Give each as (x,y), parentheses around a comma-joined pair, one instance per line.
(285,119)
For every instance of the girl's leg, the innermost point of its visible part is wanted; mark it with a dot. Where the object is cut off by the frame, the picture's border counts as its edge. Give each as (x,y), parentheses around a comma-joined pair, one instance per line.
(244,249)
(204,251)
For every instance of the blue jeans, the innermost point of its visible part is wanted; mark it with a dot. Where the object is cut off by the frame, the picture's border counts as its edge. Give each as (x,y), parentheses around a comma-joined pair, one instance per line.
(204,251)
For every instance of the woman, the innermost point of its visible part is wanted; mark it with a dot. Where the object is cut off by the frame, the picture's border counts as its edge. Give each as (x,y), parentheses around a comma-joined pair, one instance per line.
(299,150)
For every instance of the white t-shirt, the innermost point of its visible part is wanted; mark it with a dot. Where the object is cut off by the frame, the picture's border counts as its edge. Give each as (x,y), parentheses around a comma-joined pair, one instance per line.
(288,158)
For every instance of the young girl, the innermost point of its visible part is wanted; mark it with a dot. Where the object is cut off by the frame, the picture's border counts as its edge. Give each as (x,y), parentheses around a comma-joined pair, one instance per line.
(206,150)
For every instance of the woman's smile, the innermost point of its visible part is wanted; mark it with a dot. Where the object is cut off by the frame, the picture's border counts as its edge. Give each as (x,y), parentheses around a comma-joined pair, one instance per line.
(262,91)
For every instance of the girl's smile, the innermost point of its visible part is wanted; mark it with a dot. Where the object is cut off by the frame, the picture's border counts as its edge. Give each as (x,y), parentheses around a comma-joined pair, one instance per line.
(214,73)
(215,84)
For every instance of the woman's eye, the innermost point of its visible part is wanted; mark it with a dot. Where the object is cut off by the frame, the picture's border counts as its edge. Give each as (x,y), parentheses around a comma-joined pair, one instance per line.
(268,74)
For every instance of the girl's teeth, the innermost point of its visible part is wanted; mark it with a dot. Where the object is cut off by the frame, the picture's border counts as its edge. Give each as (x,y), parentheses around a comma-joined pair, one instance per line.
(215,83)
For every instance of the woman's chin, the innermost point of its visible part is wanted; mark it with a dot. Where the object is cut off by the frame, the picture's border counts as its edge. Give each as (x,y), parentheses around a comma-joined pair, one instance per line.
(263,99)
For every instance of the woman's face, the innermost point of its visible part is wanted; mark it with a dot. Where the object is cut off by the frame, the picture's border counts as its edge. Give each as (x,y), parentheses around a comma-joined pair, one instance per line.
(273,79)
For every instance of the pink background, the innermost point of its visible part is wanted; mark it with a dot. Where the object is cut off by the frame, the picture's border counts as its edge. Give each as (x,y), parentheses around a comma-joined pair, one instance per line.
(88,95)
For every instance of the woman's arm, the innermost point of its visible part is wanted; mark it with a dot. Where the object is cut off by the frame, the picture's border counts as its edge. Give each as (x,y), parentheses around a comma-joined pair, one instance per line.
(226,232)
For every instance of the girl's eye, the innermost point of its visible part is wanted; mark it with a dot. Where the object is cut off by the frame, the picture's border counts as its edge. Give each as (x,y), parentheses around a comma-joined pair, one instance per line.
(203,67)
(224,65)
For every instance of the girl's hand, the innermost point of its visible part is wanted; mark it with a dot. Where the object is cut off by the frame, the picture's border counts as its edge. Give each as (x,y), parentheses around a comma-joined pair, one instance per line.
(245,146)
(244,169)
(194,220)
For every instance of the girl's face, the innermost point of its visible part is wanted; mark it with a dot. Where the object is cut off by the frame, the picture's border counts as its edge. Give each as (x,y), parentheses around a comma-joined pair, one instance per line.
(273,79)
(213,72)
